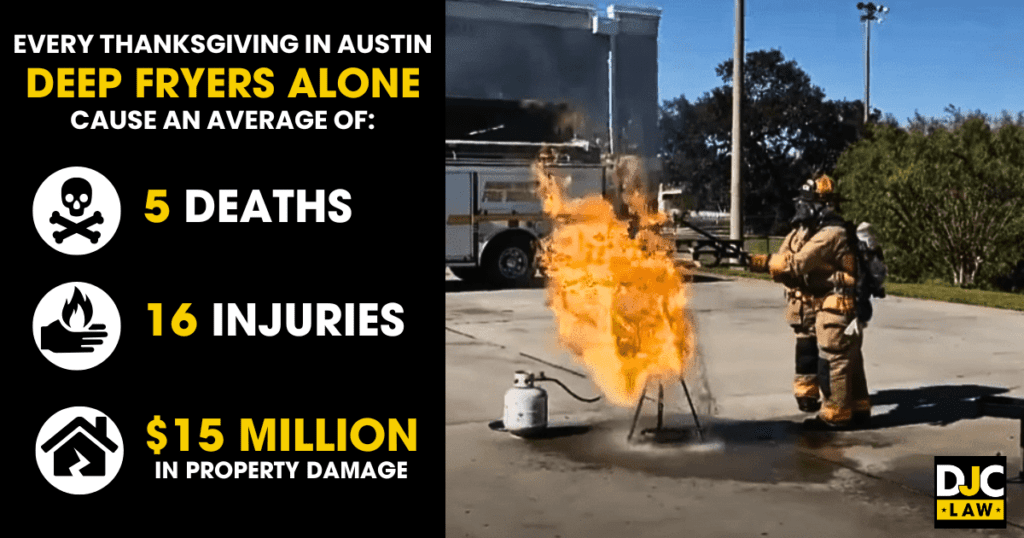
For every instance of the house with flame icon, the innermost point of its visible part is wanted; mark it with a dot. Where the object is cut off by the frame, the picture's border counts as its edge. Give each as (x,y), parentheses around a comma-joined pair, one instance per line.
(81,448)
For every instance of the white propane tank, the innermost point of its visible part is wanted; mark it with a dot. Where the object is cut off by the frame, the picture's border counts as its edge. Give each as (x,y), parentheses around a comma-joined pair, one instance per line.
(526,406)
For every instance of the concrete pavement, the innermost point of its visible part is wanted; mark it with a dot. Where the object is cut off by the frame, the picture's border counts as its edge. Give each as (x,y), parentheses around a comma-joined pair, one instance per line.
(758,474)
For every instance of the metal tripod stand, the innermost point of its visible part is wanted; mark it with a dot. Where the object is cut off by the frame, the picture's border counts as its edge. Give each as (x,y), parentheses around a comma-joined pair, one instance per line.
(661,409)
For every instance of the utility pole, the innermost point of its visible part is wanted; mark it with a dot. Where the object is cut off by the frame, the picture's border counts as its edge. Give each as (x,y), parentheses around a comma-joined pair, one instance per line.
(736,211)
(869,12)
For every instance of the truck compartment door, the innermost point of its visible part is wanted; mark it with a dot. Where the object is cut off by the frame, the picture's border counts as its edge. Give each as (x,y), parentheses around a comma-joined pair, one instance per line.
(458,213)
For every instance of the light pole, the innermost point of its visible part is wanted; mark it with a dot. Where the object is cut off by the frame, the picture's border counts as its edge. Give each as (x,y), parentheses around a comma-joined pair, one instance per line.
(869,12)
(736,194)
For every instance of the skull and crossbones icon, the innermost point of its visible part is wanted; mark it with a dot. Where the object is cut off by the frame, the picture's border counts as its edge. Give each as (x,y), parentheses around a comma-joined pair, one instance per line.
(76,195)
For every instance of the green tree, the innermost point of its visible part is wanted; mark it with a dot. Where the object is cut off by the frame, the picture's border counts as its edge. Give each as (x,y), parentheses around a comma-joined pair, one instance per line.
(789,131)
(946,202)
(955,117)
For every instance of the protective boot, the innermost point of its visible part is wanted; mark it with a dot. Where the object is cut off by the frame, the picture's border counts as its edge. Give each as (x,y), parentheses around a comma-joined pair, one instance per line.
(808,405)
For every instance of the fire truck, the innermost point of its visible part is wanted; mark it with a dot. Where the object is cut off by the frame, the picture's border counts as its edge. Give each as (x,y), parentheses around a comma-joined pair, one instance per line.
(493,218)
(523,77)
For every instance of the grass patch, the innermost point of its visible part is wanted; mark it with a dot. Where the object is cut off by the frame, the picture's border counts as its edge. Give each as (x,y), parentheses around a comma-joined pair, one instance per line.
(953,294)
(934,292)
(759,245)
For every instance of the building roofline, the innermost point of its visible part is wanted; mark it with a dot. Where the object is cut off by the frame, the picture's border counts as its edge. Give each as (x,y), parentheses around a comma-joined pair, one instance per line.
(556,5)
(79,422)
(577,6)
(646,11)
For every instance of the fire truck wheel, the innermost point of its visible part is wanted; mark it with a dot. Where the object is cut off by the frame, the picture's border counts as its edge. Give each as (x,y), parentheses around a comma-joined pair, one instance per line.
(716,257)
(468,274)
(509,263)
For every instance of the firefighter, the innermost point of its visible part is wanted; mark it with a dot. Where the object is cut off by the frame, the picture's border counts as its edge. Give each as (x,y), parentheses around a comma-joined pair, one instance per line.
(817,263)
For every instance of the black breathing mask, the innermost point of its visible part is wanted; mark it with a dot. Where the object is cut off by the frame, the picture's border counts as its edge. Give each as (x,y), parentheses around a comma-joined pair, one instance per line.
(806,211)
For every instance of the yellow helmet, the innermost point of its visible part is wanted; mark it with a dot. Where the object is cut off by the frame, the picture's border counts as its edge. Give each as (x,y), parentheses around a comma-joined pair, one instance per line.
(822,188)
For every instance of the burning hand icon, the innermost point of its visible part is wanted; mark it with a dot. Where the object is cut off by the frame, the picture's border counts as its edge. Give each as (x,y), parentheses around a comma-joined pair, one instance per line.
(76,327)
(77,312)
(58,339)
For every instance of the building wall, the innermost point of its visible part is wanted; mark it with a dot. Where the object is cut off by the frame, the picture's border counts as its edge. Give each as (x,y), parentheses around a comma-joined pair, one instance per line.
(533,51)
(636,86)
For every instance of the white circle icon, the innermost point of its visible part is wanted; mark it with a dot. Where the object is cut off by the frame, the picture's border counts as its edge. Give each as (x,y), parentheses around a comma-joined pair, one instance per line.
(76,210)
(76,326)
(79,450)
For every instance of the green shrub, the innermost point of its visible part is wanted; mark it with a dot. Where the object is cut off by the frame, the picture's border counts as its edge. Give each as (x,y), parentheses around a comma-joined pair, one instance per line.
(947,205)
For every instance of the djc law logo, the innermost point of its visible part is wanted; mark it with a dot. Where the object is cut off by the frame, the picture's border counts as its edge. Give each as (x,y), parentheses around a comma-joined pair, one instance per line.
(970,492)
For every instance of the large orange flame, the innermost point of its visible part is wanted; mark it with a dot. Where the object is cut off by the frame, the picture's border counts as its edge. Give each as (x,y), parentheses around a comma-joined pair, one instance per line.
(619,301)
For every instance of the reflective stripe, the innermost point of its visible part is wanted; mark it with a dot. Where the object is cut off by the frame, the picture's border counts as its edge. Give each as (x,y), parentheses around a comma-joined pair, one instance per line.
(844,304)
(805,386)
(834,415)
(455,220)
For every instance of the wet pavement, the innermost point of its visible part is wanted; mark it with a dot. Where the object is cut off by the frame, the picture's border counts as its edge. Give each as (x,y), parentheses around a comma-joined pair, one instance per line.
(757,472)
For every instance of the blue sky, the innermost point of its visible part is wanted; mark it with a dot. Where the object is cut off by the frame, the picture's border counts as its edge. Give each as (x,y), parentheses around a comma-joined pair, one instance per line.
(927,53)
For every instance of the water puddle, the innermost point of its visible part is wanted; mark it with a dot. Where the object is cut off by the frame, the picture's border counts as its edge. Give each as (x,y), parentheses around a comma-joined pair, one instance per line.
(751,451)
